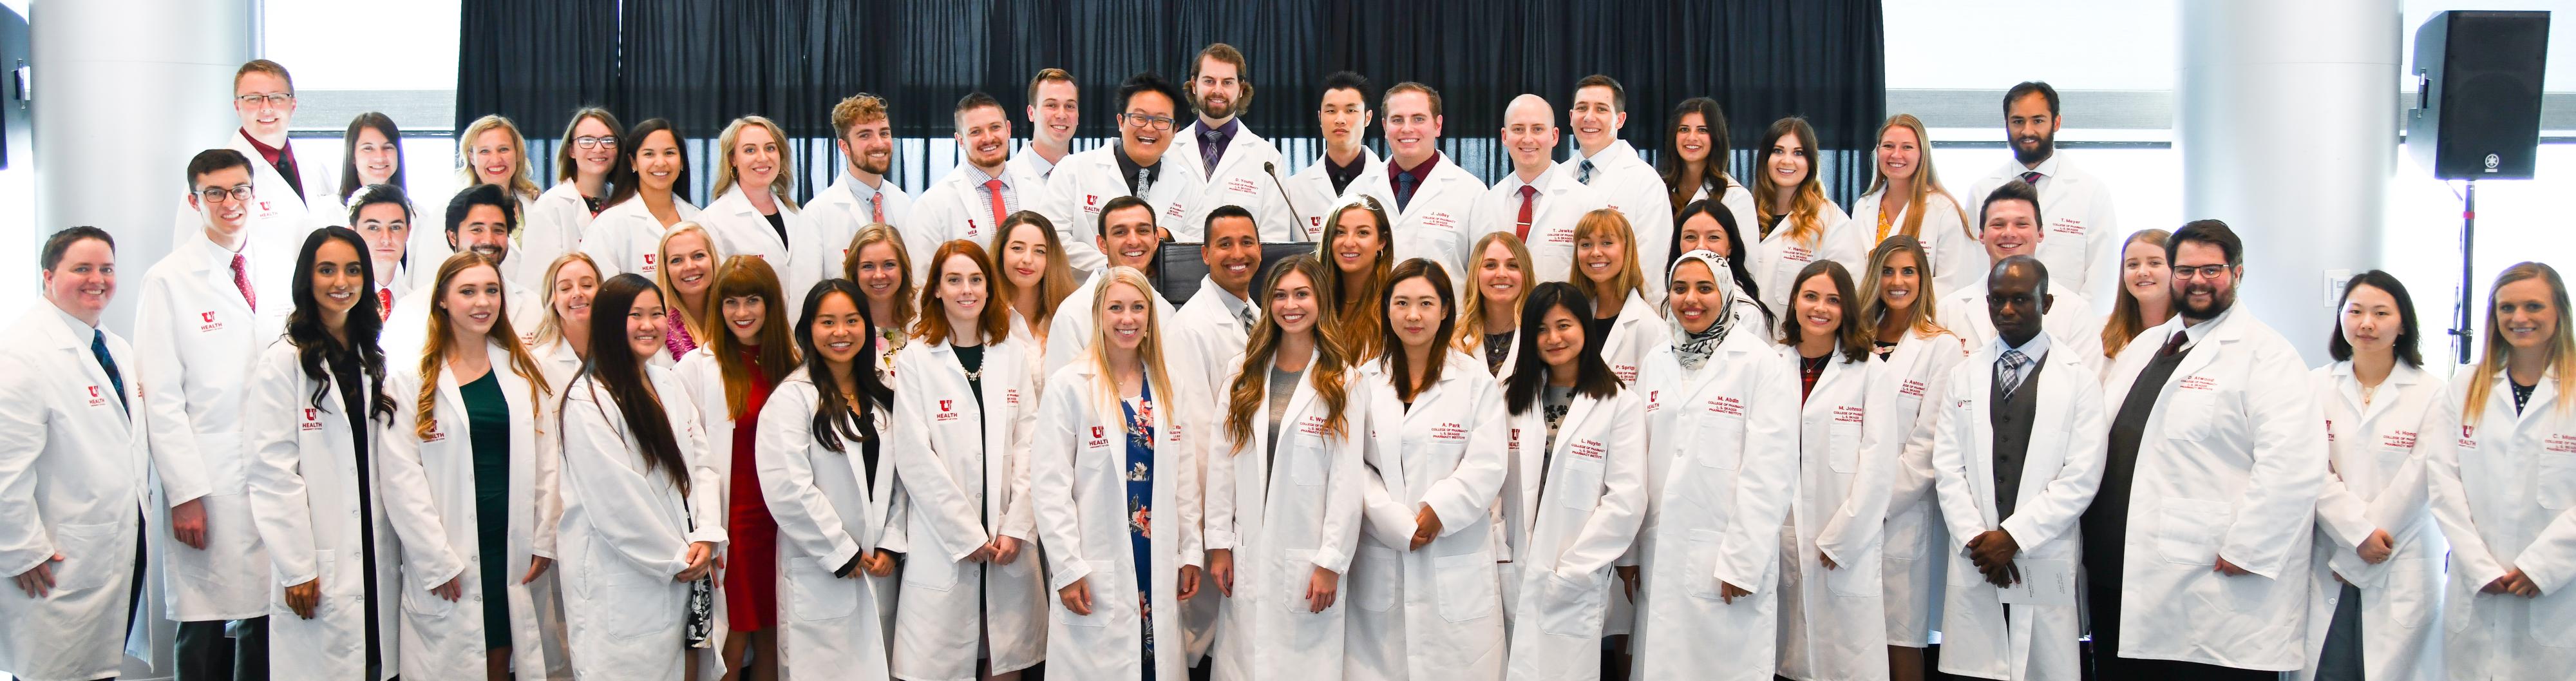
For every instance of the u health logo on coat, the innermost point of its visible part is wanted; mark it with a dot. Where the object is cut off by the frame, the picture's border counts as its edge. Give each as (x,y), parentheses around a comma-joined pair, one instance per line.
(208,322)
(312,420)
(948,412)
(94,399)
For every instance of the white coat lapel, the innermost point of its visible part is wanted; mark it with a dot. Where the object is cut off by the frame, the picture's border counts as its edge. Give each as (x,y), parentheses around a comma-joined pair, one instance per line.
(1981,438)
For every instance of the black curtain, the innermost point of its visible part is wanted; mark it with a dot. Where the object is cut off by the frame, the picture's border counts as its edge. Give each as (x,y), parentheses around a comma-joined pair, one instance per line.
(701,63)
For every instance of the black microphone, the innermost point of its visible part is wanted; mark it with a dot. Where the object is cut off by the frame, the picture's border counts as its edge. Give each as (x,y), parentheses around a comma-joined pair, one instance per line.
(1273,170)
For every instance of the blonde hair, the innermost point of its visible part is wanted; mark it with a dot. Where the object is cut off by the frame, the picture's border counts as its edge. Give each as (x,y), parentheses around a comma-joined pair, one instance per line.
(1358,313)
(1873,305)
(1471,313)
(522,183)
(904,293)
(551,327)
(690,320)
(1629,279)
(433,354)
(2127,318)
(1149,349)
(1926,183)
(784,186)
(2562,345)
(1805,225)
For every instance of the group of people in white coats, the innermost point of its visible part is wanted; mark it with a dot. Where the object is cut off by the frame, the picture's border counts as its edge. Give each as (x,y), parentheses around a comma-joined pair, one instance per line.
(1574,424)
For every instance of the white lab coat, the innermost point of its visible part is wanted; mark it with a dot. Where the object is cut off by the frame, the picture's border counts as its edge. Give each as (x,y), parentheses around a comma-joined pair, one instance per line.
(1778,257)
(557,360)
(1553,212)
(1203,345)
(2061,470)
(2377,482)
(555,225)
(2502,489)
(1283,514)
(1069,333)
(1956,258)
(1900,388)
(1724,464)
(1628,184)
(2236,475)
(626,531)
(1437,224)
(837,215)
(699,374)
(2071,324)
(798,260)
(429,496)
(1833,622)
(1637,332)
(965,468)
(1248,175)
(1079,481)
(1085,181)
(1433,612)
(1565,535)
(429,246)
(2083,230)
(304,484)
(955,208)
(627,238)
(830,511)
(73,463)
(1736,199)
(194,342)
(1311,191)
(280,218)
(406,332)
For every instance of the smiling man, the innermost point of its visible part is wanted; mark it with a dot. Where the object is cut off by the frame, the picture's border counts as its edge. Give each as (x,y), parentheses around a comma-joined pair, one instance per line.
(1127,234)
(1055,107)
(973,199)
(479,220)
(2009,225)
(2082,228)
(264,101)
(1433,198)
(1138,165)
(1346,166)
(1539,201)
(1610,166)
(1242,169)
(862,197)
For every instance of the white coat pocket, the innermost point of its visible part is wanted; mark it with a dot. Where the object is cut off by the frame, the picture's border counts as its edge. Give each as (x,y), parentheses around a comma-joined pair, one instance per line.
(1103,582)
(426,603)
(1700,571)
(88,551)
(1842,441)
(1296,572)
(1580,485)
(1305,459)
(1466,583)
(932,573)
(1573,607)
(2187,530)
(2411,598)
(2557,481)
(1721,442)
(819,595)
(646,604)
(1374,573)
(2550,615)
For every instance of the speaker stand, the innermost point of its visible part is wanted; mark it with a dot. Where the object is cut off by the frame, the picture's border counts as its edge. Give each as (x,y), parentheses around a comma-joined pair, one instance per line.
(2462,335)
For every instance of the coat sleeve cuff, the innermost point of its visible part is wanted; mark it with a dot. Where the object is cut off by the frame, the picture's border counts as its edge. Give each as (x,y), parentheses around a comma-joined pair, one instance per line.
(1333,559)
(1073,572)
(1220,540)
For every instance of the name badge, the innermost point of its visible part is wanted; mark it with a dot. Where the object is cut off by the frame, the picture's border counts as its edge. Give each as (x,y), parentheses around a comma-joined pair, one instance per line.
(2398,440)
(2200,383)
(1913,388)
(1449,432)
(1588,449)
(1726,406)
(1847,414)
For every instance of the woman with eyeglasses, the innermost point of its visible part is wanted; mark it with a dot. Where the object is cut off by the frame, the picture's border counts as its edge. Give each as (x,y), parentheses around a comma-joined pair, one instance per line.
(583,161)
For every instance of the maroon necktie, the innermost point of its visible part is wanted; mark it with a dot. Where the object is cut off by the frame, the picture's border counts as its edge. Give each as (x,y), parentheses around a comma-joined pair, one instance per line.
(241,280)
(2031,178)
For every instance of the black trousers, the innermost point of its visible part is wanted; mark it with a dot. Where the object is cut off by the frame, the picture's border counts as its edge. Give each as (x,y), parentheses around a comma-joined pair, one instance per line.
(207,653)
(2105,664)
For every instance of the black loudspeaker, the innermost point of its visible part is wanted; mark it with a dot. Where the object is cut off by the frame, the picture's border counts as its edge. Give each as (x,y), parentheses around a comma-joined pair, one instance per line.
(2477,106)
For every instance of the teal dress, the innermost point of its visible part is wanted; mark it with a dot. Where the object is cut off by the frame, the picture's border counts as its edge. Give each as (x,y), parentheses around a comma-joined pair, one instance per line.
(487,415)
(1139,414)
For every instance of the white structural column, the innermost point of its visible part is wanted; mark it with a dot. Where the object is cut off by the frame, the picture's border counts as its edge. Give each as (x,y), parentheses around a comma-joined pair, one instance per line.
(2286,114)
(125,91)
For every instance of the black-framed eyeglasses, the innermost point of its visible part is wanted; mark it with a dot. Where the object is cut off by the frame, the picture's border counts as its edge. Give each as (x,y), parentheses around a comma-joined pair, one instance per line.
(595,142)
(2201,272)
(272,99)
(218,194)
(1137,120)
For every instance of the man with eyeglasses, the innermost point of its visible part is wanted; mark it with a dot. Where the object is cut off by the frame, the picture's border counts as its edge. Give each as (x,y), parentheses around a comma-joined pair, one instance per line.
(1431,196)
(206,307)
(2083,230)
(1347,167)
(264,98)
(2197,547)
(1136,166)
(1242,169)
(2009,225)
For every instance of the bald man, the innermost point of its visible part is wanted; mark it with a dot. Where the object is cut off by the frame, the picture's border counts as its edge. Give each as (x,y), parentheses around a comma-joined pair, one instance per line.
(1538,202)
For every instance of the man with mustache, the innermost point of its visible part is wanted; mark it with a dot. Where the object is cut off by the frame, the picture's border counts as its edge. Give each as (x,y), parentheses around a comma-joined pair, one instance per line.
(1612,169)
(1336,175)
(2083,228)
(1539,201)
(1138,165)
(862,196)
(974,198)
(1242,169)
(1206,336)
(2197,547)
(2009,225)
(479,220)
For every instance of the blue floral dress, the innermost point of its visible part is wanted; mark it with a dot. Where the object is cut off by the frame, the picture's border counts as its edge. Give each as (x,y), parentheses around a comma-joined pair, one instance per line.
(1140,512)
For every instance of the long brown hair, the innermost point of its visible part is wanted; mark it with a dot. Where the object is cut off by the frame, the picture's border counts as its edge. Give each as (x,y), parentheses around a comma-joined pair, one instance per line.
(434,349)
(1471,314)
(1398,369)
(1873,306)
(1251,387)
(994,322)
(1712,173)
(1055,280)
(1852,334)
(565,168)
(1358,329)
(745,275)
(2562,345)
(1925,184)
(1805,225)
(2127,318)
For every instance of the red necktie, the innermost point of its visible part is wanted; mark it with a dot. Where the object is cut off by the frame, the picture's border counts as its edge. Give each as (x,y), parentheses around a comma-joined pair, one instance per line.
(1528,193)
(2032,178)
(384,303)
(876,207)
(994,188)
(241,280)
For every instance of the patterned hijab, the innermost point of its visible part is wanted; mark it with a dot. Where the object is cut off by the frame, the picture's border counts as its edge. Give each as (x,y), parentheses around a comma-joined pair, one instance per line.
(1694,348)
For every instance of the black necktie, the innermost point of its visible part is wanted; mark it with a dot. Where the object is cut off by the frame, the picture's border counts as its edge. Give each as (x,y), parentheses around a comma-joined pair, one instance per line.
(116,379)
(1404,183)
